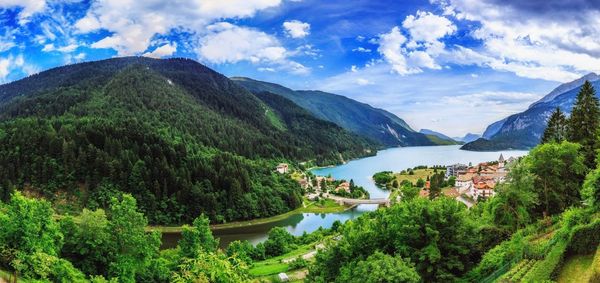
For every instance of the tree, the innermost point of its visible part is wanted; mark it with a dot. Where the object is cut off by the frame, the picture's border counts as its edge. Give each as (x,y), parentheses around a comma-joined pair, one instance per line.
(279,242)
(409,192)
(133,248)
(211,267)
(514,200)
(420,182)
(591,189)
(197,239)
(379,267)
(556,131)
(584,122)
(242,250)
(434,235)
(88,242)
(558,171)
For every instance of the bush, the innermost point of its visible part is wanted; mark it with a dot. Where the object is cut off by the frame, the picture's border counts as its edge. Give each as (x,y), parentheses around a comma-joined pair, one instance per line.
(585,238)
(298,263)
(546,269)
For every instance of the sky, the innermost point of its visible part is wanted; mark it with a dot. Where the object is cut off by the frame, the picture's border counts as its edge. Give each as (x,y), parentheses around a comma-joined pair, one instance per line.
(453,66)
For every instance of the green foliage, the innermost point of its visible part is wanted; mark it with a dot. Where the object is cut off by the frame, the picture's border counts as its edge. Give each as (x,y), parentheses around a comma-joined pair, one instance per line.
(211,267)
(594,270)
(182,139)
(584,239)
(558,171)
(298,263)
(242,250)
(584,123)
(556,130)
(27,227)
(510,208)
(434,235)
(384,177)
(591,189)
(197,239)
(279,242)
(545,269)
(409,192)
(379,267)
(420,183)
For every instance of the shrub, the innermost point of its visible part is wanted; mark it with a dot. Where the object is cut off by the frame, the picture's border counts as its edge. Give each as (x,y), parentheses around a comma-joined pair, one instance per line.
(584,238)
(546,268)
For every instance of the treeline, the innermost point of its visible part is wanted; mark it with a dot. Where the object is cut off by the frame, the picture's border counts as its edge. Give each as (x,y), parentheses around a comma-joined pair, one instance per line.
(182,139)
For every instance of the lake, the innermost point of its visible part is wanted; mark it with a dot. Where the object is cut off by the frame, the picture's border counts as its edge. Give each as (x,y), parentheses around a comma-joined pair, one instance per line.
(360,170)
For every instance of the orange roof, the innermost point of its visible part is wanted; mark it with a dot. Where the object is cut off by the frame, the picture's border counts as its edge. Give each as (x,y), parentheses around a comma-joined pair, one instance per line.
(427,185)
(424,193)
(451,193)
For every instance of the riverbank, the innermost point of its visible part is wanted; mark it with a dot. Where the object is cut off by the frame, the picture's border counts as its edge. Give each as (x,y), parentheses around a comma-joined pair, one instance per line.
(324,206)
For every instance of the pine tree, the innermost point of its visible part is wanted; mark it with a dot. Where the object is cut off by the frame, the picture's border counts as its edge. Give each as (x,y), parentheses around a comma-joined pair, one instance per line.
(584,123)
(556,131)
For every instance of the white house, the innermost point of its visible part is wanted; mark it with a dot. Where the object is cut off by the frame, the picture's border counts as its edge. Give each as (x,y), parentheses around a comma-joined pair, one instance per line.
(282,168)
(283,277)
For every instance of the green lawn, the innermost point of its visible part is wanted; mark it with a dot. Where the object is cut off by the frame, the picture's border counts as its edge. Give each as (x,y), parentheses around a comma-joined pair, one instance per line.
(274,265)
(575,269)
(419,173)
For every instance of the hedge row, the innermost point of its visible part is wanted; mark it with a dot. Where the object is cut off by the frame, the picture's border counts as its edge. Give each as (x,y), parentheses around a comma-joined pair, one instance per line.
(584,239)
(594,270)
(545,269)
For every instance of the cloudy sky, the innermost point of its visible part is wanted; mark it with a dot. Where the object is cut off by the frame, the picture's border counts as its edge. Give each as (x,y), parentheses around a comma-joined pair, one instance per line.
(449,65)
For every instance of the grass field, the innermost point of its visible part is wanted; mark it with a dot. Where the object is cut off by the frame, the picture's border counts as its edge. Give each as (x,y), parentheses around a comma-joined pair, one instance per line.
(325,206)
(575,269)
(418,174)
(274,265)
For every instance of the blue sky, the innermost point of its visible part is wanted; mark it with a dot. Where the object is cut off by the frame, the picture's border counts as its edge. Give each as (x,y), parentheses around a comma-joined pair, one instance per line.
(449,65)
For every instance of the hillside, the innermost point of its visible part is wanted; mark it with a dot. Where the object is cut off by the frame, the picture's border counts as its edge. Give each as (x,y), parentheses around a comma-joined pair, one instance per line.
(442,137)
(183,139)
(524,130)
(360,118)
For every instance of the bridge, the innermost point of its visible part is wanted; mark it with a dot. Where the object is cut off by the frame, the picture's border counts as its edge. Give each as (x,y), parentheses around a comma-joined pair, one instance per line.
(353,201)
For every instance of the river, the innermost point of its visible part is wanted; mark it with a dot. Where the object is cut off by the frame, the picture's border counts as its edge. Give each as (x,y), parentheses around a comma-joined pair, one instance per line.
(360,170)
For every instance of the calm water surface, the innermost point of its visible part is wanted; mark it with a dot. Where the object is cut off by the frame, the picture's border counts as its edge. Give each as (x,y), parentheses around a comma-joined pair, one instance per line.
(360,170)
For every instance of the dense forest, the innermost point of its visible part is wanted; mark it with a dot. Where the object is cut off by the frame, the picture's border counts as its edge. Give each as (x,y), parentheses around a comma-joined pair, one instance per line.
(179,137)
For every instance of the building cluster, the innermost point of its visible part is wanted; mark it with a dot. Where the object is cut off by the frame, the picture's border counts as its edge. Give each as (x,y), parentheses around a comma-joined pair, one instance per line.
(479,181)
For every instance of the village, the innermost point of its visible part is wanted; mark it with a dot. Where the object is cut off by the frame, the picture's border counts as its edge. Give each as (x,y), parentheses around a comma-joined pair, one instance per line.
(466,183)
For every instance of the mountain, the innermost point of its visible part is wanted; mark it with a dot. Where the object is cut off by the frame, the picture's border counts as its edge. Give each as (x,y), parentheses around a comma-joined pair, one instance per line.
(360,118)
(439,135)
(178,136)
(524,130)
(469,137)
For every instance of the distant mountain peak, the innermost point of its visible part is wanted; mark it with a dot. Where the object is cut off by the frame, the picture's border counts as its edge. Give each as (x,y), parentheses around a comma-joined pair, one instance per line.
(566,87)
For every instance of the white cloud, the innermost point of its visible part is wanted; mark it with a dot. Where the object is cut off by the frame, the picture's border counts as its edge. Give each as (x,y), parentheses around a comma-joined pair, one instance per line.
(162,51)
(353,68)
(296,29)
(227,43)
(557,42)
(30,7)
(64,49)
(362,81)
(4,71)
(427,27)
(361,49)
(417,52)
(133,24)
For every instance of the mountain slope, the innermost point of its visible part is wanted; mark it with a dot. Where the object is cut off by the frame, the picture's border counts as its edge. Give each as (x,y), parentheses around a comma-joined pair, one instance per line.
(469,137)
(376,124)
(524,130)
(439,135)
(180,137)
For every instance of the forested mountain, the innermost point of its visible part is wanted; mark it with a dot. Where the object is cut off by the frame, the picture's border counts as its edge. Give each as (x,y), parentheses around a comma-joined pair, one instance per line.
(524,130)
(360,118)
(469,137)
(439,135)
(181,138)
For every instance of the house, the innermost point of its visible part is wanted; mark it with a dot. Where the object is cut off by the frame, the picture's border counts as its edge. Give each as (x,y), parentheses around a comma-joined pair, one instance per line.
(282,168)
(455,169)
(283,277)
(303,183)
(501,161)
(424,193)
(482,188)
(464,182)
(344,186)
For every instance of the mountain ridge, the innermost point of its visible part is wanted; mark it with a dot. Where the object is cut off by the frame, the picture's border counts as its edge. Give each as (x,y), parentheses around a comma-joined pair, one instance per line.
(357,117)
(524,130)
